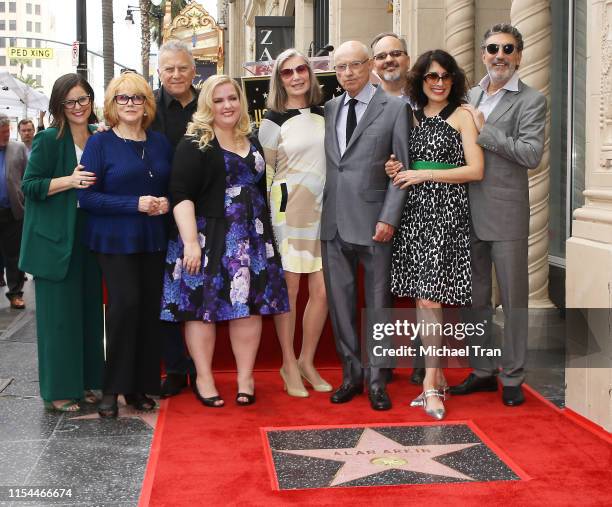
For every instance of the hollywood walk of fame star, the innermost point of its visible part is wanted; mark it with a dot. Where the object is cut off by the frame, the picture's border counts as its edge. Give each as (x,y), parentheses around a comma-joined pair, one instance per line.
(375,453)
(127,412)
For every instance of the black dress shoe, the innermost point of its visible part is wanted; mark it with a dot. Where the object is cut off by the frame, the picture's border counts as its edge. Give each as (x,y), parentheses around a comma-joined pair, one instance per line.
(140,401)
(418,375)
(379,399)
(474,384)
(512,396)
(173,384)
(346,392)
(108,406)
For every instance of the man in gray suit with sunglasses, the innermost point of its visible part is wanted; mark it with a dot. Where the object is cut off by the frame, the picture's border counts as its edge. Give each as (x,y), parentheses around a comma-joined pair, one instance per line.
(511,118)
(361,209)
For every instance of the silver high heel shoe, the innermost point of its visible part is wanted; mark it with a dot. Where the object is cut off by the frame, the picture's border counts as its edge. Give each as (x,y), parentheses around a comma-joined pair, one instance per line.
(421,401)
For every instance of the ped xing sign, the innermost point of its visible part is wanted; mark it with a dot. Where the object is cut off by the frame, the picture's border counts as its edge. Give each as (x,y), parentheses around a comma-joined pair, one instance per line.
(30,53)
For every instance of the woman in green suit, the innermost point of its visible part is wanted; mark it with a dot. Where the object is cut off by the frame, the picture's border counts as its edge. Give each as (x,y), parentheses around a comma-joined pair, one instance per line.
(68,283)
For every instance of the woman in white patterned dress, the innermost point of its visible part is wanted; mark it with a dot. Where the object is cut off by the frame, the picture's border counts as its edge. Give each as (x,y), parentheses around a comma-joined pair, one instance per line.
(292,134)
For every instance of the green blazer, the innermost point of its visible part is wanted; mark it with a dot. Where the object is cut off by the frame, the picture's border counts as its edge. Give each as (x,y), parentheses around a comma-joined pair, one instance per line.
(49,221)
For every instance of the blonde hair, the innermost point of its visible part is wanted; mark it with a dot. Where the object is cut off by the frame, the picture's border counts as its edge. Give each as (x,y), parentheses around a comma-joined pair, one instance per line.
(277,95)
(133,83)
(201,126)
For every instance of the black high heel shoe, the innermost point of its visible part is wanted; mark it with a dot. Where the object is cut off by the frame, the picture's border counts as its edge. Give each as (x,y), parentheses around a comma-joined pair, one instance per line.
(250,399)
(140,402)
(210,401)
(108,406)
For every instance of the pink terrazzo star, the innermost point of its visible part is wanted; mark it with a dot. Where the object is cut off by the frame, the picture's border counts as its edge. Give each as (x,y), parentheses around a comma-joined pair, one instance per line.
(126,411)
(376,453)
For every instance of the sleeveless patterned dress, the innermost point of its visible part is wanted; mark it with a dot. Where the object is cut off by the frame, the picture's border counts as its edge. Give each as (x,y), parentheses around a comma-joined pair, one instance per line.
(431,248)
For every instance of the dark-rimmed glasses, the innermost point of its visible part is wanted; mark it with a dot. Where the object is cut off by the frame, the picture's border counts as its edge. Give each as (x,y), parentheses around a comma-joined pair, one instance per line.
(300,69)
(122,99)
(351,65)
(396,53)
(493,49)
(81,101)
(434,77)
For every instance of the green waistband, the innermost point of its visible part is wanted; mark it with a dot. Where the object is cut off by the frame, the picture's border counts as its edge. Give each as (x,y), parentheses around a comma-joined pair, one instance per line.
(425,164)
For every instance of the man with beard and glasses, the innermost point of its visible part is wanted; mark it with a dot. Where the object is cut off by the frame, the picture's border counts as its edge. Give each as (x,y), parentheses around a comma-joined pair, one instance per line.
(391,64)
(510,117)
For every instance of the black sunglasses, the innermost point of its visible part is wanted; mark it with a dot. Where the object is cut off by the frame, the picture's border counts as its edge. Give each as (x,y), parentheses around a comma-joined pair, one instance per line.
(493,49)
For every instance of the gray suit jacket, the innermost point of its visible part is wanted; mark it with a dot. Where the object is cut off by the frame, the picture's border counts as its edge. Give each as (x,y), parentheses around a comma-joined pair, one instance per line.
(513,141)
(358,193)
(15,162)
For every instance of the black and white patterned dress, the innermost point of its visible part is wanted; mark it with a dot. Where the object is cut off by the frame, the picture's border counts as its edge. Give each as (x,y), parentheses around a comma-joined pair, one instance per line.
(431,249)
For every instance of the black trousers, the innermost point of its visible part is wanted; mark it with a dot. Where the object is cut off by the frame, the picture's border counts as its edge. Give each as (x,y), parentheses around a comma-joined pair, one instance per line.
(10,242)
(133,328)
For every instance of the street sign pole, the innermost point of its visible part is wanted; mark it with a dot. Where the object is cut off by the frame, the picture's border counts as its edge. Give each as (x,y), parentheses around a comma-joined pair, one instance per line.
(81,23)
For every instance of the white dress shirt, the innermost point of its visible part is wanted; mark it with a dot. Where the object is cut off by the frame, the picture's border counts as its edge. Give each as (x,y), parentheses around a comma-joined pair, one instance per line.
(488,102)
(363,99)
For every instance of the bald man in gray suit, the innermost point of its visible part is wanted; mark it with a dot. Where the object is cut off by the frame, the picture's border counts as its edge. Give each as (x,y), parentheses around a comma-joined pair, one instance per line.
(510,117)
(361,209)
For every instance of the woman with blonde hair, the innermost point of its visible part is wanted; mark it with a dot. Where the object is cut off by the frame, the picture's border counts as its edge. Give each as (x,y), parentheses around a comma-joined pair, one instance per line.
(292,134)
(127,228)
(222,264)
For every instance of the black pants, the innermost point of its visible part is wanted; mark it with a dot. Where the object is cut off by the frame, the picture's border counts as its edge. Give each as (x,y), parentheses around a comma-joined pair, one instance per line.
(10,241)
(133,336)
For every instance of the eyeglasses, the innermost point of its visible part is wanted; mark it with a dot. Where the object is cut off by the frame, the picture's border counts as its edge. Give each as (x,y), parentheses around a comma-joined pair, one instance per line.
(396,53)
(493,49)
(434,77)
(81,101)
(300,69)
(123,99)
(351,65)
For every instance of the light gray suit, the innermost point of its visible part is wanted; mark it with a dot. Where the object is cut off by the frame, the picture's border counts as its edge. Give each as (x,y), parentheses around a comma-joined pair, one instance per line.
(357,195)
(513,141)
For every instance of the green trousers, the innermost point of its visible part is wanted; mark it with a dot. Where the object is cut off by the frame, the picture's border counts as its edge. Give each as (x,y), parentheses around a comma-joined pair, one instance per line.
(69,321)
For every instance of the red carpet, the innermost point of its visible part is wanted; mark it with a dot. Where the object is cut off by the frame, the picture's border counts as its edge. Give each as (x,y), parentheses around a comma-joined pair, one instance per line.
(215,457)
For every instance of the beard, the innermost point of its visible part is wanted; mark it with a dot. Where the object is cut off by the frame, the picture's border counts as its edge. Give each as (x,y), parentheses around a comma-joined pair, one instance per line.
(391,75)
(500,75)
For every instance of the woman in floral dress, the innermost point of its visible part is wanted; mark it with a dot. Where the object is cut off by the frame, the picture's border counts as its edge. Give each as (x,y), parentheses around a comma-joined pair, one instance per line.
(222,264)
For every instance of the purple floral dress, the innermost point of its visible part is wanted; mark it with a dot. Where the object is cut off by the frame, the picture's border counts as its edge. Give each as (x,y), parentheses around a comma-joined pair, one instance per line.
(241,271)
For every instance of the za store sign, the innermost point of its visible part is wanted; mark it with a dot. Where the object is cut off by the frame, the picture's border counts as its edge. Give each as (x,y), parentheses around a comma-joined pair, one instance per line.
(30,53)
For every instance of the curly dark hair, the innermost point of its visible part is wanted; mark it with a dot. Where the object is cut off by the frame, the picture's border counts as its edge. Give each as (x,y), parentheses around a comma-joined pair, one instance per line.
(414,84)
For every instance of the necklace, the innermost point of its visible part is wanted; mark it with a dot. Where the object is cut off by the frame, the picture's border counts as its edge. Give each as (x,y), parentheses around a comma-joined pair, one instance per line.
(135,144)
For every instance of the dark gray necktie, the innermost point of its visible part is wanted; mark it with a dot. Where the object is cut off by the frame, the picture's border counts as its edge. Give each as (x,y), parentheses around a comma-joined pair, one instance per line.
(351,120)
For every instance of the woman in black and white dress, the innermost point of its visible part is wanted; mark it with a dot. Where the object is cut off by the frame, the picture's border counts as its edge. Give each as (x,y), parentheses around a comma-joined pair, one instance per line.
(431,249)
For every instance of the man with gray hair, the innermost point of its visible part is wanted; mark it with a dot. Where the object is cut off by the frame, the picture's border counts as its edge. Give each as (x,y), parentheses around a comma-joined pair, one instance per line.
(176,100)
(13,161)
(361,209)
(510,117)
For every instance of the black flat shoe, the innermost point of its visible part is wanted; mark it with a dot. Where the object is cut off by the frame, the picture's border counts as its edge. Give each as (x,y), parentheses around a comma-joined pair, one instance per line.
(250,399)
(108,406)
(379,399)
(140,402)
(474,384)
(173,384)
(345,393)
(417,377)
(512,396)
(210,401)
